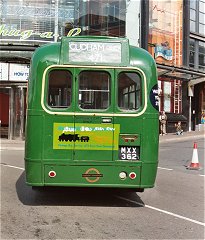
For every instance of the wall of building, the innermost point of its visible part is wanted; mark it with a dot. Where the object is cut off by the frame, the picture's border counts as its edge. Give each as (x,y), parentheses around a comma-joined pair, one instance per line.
(165,43)
(197,57)
(178,47)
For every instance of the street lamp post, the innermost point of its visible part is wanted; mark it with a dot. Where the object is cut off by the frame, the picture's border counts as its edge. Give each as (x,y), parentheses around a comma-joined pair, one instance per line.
(190,94)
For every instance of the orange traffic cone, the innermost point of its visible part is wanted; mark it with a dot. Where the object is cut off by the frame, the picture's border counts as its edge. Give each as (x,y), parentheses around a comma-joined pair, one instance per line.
(195,161)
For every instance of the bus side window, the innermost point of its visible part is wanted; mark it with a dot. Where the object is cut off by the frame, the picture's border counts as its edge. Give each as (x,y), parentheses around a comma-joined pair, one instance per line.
(129,91)
(59,89)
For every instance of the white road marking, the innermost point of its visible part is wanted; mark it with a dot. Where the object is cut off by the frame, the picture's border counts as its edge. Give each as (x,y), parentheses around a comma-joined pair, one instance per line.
(163,211)
(168,169)
(12,148)
(143,205)
(6,165)
(202,175)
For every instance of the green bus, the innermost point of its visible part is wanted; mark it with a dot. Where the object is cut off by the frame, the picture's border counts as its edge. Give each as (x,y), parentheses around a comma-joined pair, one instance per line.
(92,115)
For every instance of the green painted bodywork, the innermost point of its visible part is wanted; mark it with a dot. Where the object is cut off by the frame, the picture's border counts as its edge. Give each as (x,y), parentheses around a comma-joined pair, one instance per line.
(97,164)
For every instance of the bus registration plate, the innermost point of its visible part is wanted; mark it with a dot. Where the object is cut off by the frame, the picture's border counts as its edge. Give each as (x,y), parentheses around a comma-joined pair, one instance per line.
(129,153)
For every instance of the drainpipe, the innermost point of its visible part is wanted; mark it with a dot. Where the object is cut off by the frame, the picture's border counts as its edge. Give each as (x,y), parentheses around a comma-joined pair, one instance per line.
(190,94)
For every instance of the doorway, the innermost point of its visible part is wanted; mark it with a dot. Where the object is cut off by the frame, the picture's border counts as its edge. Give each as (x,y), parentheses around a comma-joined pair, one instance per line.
(13,112)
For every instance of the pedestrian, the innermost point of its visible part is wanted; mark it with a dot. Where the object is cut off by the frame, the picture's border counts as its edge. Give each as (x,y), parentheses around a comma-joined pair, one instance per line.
(163,123)
(179,130)
(202,117)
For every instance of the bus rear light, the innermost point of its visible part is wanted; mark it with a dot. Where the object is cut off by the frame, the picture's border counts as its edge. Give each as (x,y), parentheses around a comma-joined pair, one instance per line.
(122,175)
(132,175)
(52,174)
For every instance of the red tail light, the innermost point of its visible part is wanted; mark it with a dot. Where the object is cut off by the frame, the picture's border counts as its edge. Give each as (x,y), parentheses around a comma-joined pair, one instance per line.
(52,174)
(132,175)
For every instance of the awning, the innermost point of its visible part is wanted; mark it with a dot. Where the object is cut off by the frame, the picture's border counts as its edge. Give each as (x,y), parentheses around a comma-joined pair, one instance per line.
(180,73)
(194,82)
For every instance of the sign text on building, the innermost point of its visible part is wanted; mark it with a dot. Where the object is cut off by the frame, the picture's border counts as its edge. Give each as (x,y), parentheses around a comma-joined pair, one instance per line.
(6,31)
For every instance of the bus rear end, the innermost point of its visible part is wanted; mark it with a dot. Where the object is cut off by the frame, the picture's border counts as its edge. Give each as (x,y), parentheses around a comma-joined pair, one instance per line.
(92,115)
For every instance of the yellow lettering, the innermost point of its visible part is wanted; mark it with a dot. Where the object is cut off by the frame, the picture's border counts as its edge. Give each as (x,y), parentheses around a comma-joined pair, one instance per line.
(26,34)
(73,32)
(46,35)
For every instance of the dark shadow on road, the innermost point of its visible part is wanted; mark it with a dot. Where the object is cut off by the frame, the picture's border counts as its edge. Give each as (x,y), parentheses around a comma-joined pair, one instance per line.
(67,196)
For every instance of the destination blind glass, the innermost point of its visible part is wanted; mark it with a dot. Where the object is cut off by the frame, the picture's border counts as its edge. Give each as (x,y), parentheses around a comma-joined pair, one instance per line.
(95,52)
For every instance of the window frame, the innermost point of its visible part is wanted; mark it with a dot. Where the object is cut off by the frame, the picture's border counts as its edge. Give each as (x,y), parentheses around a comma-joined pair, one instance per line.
(141,106)
(115,111)
(196,23)
(82,70)
(196,54)
(46,89)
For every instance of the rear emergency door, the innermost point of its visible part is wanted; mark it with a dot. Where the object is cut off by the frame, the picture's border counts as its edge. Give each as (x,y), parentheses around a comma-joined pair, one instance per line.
(94,128)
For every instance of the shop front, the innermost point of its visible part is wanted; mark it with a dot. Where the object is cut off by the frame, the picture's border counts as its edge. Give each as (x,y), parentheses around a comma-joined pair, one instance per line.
(197,89)
(13,87)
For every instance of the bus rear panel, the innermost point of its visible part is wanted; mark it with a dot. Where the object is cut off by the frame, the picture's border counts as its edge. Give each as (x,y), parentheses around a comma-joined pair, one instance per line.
(92,116)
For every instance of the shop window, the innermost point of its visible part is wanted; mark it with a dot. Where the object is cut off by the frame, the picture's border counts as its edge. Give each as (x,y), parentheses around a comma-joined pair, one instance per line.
(129,91)
(193,4)
(167,95)
(202,61)
(201,5)
(197,54)
(94,90)
(59,89)
(201,17)
(193,14)
(202,55)
(202,28)
(103,17)
(192,45)
(192,26)
(191,59)
(197,16)
(202,47)
(192,53)
(170,96)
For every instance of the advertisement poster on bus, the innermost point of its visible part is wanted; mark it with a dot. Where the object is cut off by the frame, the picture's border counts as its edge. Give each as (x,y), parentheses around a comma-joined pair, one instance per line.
(85,136)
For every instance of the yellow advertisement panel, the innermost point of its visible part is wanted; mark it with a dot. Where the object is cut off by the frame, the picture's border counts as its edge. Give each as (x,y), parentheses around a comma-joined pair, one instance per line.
(85,136)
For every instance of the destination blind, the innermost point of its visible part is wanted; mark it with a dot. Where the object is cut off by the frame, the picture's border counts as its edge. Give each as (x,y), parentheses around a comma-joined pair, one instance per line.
(95,52)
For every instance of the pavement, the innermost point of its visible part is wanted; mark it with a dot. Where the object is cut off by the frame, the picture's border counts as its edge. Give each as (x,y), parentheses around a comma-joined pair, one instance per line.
(18,144)
(194,135)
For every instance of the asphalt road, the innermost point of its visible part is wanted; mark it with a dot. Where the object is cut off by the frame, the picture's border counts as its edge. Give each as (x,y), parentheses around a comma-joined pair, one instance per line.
(174,209)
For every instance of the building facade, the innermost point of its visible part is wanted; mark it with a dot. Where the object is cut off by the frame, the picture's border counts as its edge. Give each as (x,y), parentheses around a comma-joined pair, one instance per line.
(196,59)
(161,27)
(176,41)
